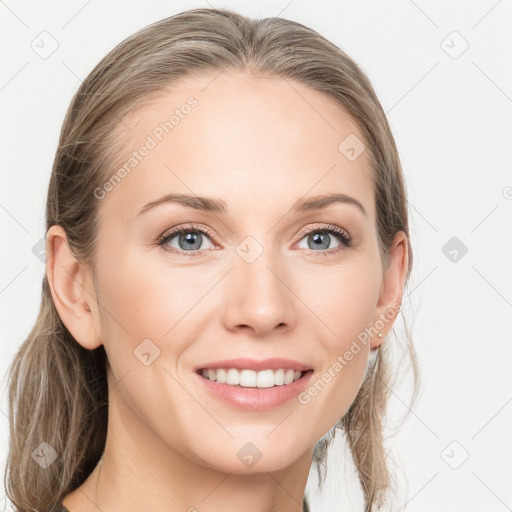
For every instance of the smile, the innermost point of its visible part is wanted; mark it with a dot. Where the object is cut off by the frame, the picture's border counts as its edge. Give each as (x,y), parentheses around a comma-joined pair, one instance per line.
(254,391)
(250,378)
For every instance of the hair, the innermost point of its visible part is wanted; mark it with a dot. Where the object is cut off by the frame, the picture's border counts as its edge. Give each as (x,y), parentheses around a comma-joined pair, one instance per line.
(58,391)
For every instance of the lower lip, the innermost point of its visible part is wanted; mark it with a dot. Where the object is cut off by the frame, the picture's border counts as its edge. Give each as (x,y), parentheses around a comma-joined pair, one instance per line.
(256,399)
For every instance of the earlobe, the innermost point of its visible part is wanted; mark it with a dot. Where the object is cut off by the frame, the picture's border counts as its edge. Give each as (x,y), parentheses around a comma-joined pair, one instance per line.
(392,288)
(69,281)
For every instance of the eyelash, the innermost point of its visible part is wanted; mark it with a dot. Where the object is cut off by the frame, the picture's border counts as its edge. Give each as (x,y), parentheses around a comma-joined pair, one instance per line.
(341,235)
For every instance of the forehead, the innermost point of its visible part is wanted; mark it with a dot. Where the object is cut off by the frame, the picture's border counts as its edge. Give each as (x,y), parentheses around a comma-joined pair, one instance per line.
(249,140)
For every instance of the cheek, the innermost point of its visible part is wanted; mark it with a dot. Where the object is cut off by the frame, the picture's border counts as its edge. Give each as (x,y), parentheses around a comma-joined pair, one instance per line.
(343,299)
(143,301)
(345,304)
(145,329)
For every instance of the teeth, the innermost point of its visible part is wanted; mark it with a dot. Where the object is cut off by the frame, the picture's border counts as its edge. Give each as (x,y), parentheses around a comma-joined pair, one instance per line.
(232,376)
(221,375)
(251,378)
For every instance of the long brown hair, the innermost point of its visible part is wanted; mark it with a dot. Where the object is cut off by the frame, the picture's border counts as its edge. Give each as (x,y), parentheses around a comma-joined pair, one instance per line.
(58,392)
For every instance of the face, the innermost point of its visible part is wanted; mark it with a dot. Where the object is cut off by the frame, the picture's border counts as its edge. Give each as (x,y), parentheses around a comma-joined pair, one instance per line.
(259,278)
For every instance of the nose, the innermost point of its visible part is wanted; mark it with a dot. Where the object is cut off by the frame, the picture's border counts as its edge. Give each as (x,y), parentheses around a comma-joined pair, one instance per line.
(259,298)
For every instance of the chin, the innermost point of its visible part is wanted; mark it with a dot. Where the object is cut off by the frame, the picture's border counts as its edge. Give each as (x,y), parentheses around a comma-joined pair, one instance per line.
(250,457)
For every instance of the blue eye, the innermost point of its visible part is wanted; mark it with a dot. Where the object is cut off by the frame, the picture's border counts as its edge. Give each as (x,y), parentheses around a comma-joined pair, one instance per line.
(190,240)
(320,238)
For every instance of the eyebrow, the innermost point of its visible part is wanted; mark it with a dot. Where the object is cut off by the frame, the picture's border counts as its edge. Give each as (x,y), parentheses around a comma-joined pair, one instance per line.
(210,204)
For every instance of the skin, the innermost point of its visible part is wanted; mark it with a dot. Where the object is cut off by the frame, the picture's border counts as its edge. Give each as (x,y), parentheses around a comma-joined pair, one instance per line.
(259,146)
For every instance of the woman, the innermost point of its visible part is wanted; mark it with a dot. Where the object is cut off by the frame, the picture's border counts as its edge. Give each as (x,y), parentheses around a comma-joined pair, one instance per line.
(227,250)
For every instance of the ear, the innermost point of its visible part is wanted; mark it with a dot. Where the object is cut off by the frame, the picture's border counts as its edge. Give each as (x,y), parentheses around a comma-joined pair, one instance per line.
(72,289)
(391,290)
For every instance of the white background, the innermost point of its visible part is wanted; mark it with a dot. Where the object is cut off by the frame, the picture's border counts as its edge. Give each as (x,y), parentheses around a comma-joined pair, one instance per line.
(451,118)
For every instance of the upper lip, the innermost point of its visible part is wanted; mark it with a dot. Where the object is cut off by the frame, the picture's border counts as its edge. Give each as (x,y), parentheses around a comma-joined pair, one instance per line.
(253,364)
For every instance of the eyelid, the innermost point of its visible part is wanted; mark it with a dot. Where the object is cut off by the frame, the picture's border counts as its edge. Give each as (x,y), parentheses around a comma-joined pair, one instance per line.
(343,233)
(185,227)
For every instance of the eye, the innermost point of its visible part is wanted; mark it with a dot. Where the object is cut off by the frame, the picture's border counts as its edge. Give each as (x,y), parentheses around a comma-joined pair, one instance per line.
(321,238)
(189,240)
(186,240)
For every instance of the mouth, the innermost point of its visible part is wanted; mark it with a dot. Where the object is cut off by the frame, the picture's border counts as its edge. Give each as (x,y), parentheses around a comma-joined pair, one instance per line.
(252,384)
(246,378)
(254,391)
